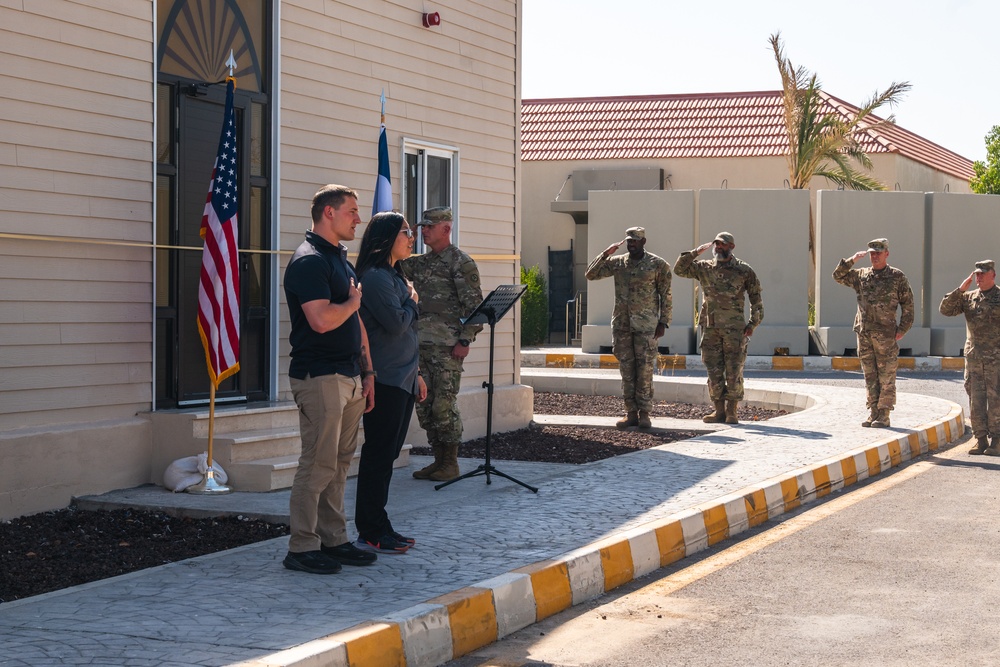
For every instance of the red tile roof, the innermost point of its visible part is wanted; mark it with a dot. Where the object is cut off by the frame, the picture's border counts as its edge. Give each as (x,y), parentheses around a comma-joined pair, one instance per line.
(709,125)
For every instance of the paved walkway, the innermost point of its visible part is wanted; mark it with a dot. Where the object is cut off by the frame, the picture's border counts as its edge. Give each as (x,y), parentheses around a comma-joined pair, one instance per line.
(488,560)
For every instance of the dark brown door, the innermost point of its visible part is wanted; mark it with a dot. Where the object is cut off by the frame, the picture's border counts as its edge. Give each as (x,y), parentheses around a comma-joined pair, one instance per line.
(199,124)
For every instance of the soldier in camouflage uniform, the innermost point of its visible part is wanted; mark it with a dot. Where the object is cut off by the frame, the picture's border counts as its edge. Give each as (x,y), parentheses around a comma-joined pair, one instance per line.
(725,333)
(882,290)
(982,352)
(640,318)
(447,280)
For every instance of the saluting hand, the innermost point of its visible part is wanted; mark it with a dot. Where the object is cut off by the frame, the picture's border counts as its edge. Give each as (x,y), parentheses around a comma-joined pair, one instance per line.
(613,248)
(703,247)
(968,281)
(858,255)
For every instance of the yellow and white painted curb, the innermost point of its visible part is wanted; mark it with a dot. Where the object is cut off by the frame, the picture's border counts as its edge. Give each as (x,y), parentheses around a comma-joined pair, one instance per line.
(672,362)
(460,622)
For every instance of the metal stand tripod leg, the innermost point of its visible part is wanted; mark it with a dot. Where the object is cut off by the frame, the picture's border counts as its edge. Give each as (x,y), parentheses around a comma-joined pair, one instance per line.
(487,468)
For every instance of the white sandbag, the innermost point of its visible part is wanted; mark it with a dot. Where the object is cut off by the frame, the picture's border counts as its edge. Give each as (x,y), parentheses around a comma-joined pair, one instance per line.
(189,471)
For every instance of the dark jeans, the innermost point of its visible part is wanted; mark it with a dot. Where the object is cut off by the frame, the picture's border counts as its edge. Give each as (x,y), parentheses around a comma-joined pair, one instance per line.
(385,430)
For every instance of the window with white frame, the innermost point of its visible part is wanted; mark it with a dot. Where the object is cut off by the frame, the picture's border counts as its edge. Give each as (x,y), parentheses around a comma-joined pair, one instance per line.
(430,178)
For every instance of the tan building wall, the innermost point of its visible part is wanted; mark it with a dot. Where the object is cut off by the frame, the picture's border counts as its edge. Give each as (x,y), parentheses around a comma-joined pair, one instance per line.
(76,192)
(453,85)
(76,205)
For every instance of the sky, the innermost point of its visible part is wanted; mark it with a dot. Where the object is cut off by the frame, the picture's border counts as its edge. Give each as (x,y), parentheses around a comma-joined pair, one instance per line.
(587,48)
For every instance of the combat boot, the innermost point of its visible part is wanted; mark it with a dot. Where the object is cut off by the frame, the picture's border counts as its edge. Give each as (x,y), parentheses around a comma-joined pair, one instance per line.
(449,465)
(981,446)
(872,416)
(883,419)
(427,471)
(717,417)
(731,412)
(644,421)
(630,419)
(994,448)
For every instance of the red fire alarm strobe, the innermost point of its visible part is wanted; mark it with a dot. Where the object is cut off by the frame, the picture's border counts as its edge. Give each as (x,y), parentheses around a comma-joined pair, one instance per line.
(432,19)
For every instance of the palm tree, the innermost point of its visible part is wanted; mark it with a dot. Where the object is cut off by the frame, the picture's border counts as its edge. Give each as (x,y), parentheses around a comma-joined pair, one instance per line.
(822,141)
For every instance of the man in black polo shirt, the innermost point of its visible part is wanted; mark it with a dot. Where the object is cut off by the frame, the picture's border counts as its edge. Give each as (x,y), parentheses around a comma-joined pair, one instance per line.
(332,381)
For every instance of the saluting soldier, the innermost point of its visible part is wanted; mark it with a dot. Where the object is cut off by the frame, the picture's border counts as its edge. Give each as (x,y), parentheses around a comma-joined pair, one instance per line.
(981,307)
(725,280)
(882,291)
(640,318)
(448,283)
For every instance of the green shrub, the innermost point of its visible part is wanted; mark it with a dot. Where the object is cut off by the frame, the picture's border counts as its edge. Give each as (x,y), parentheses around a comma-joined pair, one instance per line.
(534,308)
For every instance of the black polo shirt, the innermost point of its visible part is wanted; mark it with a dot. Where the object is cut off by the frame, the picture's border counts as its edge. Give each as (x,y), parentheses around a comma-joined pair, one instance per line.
(320,270)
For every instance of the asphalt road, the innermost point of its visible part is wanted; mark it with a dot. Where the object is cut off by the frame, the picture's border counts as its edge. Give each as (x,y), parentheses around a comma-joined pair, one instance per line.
(902,570)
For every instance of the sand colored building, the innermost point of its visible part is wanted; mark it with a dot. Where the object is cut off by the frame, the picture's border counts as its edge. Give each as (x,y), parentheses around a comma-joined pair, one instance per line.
(571,148)
(111,115)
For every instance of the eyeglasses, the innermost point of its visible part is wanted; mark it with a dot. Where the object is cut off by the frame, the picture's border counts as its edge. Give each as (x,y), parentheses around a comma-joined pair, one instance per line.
(407,231)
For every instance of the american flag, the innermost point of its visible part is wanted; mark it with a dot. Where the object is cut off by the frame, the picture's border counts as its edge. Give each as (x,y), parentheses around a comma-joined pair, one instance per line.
(219,288)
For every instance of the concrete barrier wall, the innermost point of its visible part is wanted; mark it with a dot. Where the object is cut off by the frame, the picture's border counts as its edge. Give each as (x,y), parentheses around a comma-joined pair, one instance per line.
(934,238)
(845,221)
(668,216)
(962,229)
(772,235)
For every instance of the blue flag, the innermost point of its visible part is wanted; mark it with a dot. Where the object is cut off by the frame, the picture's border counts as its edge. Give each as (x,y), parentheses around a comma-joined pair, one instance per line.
(383,184)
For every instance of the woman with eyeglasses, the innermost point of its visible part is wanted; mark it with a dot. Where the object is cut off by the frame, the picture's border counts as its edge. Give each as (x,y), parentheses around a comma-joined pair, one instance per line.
(389,312)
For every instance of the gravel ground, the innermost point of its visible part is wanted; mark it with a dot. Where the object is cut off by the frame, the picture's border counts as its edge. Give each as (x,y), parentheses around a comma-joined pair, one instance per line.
(54,550)
(568,444)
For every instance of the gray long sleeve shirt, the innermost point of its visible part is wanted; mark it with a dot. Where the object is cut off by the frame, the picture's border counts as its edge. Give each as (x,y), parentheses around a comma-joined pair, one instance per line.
(390,317)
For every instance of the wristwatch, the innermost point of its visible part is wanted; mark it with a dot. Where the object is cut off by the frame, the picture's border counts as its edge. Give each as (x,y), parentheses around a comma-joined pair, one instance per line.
(464,342)
(365,374)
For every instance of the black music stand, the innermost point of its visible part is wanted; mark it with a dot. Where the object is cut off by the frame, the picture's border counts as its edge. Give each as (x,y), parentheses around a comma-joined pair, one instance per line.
(490,311)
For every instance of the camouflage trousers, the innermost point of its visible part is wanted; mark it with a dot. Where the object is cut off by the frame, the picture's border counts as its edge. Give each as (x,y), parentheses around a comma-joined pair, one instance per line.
(982,383)
(636,354)
(879,354)
(724,351)
(438,414)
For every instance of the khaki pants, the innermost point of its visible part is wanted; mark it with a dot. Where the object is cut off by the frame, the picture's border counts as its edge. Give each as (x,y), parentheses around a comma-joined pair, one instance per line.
(330,409)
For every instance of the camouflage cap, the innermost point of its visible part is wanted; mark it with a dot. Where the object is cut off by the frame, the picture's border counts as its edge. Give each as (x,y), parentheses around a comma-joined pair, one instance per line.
(726,238)
(432,216)
(985,266)
(878,245)
(635,233)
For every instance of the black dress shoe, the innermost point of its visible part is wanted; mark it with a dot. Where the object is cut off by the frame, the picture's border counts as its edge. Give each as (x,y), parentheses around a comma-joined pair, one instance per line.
(348,554)
(314,562)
